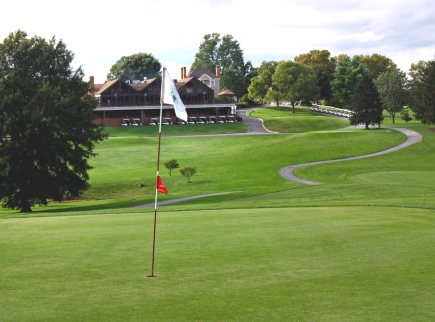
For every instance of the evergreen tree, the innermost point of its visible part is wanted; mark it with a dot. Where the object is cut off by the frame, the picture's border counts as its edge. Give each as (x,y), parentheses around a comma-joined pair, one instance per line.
(346,77)
(366,104)
(424,95)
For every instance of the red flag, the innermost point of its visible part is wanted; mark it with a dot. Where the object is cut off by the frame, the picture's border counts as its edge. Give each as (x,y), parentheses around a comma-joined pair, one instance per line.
(160,186)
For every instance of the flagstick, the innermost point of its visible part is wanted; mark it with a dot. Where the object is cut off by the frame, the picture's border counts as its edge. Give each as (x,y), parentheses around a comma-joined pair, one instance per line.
(157,174)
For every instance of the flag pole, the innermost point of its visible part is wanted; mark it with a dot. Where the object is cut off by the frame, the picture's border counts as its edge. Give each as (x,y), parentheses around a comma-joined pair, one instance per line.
(157,172)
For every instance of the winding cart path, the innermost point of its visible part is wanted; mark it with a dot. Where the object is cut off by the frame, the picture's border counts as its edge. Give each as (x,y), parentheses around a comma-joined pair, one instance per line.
(287,172)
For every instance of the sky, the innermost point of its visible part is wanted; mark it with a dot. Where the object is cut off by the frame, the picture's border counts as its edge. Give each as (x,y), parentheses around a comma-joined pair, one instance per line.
(101,32)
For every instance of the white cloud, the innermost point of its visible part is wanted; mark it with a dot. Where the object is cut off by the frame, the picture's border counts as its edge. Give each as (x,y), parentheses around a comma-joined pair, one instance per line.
(101,32)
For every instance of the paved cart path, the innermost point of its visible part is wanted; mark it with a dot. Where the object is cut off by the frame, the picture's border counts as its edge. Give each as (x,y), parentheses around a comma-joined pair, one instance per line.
(287,172)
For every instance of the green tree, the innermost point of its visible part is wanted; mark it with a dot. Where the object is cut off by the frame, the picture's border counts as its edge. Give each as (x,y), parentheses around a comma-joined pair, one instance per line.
(207,55)
(324,66)
(224,52)
(137,66)
(346,77)
(171,164)
(405,115)
(378,64)
(416,71)
(47,131)
(393,90)
(261,87)
(423,103)
(188,172)
(295,82)
(366,104)
(415,77)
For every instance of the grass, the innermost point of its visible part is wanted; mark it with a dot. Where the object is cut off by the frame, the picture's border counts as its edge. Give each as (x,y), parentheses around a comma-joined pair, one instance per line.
(317,263)
(359,247)
(282,120)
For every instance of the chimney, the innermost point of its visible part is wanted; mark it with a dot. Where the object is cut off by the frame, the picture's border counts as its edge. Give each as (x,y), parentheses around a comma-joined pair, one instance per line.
(185,74)
(91,80)
(182,71)
(218,71)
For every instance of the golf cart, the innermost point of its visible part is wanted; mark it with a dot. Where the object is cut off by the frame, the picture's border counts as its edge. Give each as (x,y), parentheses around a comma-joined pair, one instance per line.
(221,119)
(167,121)
(125,122)
(191,120)
(181,122)
(136,122)
(153,122)
(231,119)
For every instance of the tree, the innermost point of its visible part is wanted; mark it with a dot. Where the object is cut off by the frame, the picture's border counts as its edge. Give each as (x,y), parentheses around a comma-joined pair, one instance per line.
(393,90)
(261,86)
(423,103)
(171,164)
(188,172)
(416,71)
(295,82)
(415,77)
(324,66)
(378,64)
(405,115)
(346,77)
(224,52)
(366,104)
(137,66)
(47,131)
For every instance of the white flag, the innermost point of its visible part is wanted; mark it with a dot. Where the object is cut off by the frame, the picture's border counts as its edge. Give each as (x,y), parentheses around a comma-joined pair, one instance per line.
(170,96)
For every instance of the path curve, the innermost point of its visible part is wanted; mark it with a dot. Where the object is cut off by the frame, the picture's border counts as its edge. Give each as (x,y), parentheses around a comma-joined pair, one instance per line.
(255,125)
(287,172)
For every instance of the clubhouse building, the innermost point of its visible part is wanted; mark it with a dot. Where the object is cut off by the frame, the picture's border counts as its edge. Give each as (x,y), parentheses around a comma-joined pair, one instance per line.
(137,102)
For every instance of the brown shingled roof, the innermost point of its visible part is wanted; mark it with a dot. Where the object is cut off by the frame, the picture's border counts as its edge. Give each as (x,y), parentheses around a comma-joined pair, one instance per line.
(107,85)
(201,71)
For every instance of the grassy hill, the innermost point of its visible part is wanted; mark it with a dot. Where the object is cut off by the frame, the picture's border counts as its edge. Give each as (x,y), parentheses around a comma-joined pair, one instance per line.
(358,247)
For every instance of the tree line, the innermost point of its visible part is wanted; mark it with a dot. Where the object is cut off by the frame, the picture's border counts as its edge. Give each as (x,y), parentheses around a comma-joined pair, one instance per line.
(313,76)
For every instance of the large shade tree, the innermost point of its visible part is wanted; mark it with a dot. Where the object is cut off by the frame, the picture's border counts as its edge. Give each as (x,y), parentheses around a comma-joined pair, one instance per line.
(135,67)
(226,53)
(295,82)
(393,90)
(47,133)
(378,64)
(324,66)
(261,86)
(423,103)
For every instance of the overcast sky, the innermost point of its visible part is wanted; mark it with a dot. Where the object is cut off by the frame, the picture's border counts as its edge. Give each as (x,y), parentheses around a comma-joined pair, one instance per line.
(101,32)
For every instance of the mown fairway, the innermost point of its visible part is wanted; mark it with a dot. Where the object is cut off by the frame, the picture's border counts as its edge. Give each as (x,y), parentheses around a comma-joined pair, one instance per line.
(357,248)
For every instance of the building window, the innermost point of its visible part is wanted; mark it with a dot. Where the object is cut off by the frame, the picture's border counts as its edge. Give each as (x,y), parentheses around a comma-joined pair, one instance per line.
(212,83)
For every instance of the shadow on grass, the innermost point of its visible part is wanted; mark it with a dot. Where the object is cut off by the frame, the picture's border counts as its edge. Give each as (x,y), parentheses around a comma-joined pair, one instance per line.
(77,208)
